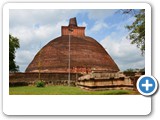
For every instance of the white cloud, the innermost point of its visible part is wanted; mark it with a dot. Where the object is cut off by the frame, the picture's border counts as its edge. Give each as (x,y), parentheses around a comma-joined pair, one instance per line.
(35,28)
(84,24)
(30,17)
(24,57)
(100,14)
(31,39)
(34,31)
(98,26)
(125,54)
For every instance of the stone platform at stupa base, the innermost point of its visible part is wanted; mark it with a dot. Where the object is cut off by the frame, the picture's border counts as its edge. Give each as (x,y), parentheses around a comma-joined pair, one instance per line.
(108,81)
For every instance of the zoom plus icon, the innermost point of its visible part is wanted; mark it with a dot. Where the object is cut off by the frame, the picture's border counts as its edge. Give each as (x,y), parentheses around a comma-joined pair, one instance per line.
(147,85)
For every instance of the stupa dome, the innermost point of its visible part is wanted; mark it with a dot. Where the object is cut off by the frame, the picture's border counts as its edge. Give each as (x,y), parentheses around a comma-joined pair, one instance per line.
(86,54)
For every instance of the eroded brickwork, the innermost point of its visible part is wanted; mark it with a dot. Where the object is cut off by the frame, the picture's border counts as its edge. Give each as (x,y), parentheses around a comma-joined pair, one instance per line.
(23,79)
(86,53)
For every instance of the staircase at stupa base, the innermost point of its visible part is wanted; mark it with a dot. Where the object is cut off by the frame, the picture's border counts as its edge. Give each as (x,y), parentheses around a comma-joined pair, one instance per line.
(107,81)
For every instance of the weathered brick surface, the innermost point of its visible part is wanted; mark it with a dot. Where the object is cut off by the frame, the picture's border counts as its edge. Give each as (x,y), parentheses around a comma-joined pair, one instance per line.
(86,54)
(21,79)
(77,31)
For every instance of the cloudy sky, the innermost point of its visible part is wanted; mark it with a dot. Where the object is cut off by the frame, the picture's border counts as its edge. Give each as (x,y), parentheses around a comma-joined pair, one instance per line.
(35,28)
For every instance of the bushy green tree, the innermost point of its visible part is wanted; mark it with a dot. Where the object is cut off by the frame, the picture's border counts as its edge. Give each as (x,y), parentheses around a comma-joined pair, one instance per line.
(13,45)
(137,29)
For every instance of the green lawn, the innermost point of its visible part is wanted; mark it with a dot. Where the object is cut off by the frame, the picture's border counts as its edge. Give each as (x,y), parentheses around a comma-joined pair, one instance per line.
(62,90)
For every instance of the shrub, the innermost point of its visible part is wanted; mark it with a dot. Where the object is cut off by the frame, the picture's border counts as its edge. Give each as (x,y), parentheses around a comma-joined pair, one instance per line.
(40,83)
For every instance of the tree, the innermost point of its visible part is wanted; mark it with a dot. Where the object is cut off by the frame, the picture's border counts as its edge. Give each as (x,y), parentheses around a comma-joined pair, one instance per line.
(129,70)
(13,45)
(137,28)
(134,70)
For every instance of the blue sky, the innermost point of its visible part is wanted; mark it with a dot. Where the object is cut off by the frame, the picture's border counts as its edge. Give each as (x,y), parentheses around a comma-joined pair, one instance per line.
(35,28)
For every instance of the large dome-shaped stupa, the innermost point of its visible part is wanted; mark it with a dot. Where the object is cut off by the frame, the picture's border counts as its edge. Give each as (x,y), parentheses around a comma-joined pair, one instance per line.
(73,50)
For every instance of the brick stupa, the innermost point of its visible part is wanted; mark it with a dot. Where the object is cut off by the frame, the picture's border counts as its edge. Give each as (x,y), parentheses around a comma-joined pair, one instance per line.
(86,54)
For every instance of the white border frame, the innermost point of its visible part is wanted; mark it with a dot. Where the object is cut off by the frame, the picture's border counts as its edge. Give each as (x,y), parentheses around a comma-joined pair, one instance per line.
(74,104)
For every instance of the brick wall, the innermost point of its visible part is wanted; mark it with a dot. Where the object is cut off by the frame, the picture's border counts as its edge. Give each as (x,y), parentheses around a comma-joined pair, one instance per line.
(77,31)
(22,79)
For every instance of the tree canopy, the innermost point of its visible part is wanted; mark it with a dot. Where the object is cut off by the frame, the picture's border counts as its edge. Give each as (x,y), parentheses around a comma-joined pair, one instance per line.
(135,70)
(137,28)
(13,45)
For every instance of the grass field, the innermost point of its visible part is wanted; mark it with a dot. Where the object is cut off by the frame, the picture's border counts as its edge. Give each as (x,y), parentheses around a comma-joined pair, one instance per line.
(62,90)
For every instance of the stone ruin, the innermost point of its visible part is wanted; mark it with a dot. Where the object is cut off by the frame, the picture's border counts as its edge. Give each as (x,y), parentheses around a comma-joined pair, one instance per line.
(102,80)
